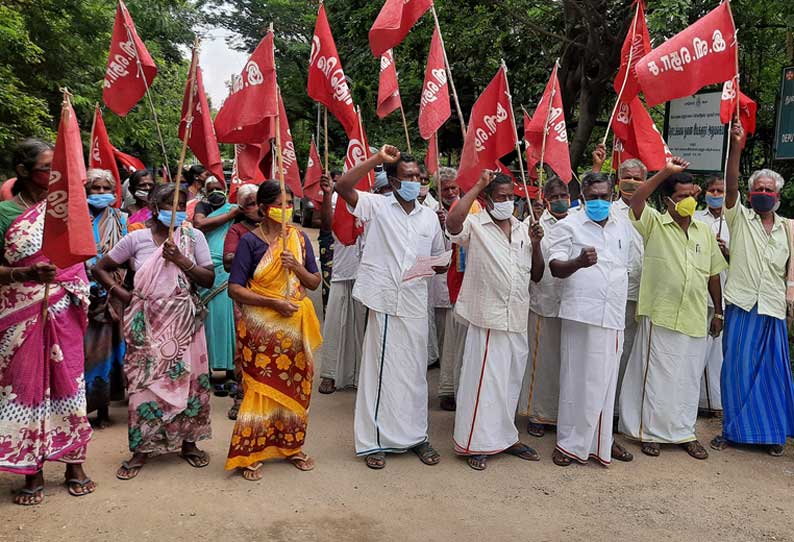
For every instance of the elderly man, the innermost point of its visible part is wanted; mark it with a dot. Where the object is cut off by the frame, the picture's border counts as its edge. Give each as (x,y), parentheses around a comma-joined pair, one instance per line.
(590,250)
(503,254)
(540,390)
(661,387)
(391,403)
(757,389)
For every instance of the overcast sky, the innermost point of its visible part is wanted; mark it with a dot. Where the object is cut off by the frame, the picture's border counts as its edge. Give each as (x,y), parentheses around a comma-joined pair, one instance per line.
(219,62)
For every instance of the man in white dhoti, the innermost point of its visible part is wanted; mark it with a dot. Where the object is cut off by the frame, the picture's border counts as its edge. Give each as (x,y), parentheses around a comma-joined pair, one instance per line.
(391,403)
(540,390)
(502,255)
(710,398)
(590,250)
(661,387)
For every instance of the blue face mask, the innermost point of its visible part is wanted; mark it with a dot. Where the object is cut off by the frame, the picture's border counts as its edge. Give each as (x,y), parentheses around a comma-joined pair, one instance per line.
(714,202)
(100,201)
(165,218)
(409,190)
(597,209)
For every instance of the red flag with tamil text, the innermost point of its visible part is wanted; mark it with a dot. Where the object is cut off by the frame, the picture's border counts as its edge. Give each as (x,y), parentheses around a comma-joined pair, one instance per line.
(555,152)
(388,88)
(395,20)
(327,83)
(636,46)
(702,54)
(101,155)
(311,180)
(124,86)
(202,140)
(434,108)
(68,229)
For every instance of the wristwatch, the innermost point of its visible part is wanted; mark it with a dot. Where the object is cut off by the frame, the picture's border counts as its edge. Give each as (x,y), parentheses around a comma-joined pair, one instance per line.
(719,317)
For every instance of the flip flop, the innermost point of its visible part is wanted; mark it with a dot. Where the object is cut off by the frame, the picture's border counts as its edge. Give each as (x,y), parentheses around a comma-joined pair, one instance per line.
(376,461)
(560,459)
(536,429)
(522,451)
(327,386)
(477,462)
(718,443)
(427,454)
(302,462)
(82,483)
(38,490)
(198,459)
(132,470)
(775,450)
(253,473)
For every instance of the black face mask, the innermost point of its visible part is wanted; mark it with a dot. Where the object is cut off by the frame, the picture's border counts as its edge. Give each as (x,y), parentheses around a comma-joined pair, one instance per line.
(762,202)
(216,198)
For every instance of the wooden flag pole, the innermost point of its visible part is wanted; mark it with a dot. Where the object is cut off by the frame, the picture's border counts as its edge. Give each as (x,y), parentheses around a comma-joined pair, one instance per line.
(91,141)
(628,72)
(281,183)
(449,73)
(370,179)
(518,146)
(325,146)
(186,137)
(405,126)
(546,125)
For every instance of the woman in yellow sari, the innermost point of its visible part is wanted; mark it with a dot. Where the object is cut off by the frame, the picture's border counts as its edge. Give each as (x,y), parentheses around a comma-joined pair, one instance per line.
(277,335)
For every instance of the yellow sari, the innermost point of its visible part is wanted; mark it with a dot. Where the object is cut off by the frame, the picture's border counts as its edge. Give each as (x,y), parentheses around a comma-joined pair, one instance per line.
(276,357)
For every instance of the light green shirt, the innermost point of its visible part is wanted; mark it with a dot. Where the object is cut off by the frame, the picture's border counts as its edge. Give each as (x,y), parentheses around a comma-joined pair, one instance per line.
(758,263)
(675,272)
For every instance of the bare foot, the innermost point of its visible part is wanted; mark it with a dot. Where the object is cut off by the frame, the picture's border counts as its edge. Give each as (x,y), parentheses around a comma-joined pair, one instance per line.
(33,492)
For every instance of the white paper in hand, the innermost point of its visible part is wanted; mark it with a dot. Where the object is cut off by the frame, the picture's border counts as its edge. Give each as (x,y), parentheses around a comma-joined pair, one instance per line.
(424,266)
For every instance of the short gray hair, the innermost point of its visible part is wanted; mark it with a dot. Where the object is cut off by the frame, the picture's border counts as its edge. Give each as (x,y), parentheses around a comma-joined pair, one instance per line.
(446,174)
(766,173)
(246,190)
(632,163)
(95,174)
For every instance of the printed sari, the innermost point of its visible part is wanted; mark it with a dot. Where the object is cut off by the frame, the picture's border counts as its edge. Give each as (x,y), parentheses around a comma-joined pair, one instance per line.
(104,343)
(166,365)
(42,390)
(276,355)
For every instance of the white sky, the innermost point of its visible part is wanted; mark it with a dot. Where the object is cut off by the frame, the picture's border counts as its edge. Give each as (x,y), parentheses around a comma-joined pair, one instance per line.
(219,62)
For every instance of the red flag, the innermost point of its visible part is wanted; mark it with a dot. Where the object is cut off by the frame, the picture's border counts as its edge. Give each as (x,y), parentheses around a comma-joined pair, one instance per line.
(124,86)
(518,186)
(490,135)
(434,109)
(345,226)
(747,107)
(636,45)
(311,180)
(327,83)
(289,161)
(636,136)
(101,155)
(555,153)
(388,88)
(68,230)
(202,132)
(246,115)
(245,169)
(431,158)
(702,54)
(393,23)
(129,162)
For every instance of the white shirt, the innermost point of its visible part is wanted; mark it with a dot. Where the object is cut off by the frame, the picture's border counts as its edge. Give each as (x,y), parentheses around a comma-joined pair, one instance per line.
(431,202)
(346,257)
(495,289)
(705,216)
(637,252)
(394,240)
(594,295)
(544,296)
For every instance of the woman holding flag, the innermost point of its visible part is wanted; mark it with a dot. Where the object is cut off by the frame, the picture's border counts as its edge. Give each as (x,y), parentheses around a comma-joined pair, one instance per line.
(42,395)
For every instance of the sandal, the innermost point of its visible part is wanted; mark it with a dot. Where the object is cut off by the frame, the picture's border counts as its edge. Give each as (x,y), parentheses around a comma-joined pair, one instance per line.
(234,411)
(198,459)
(695,449)
(448,404)
(776,450)
(522,451)
(651,449)
(87,486)
(376,461)
(221,391)
(718,443)
(620,453)
(477,462)
(536,429)
(30,497)
(252,473)
(427,454)
(327,386)
(127,471)
(302,462)
(560,459)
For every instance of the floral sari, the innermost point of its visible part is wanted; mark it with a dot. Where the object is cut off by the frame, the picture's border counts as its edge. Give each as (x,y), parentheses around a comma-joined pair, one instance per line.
(42,391)
(166,365)
(276,354)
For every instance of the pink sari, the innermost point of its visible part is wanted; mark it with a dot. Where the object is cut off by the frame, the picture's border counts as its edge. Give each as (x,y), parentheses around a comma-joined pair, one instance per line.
(42,389)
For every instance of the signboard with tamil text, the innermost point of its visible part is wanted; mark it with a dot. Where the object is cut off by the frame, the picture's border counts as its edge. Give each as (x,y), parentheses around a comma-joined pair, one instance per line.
(693,131)
(784,127)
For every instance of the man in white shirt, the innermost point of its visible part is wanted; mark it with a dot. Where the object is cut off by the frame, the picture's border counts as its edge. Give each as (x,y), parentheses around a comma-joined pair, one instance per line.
(540,390)
(391,403)
(502,255)
(590,250)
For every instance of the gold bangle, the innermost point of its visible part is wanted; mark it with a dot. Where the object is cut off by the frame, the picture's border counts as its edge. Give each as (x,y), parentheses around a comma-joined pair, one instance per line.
(11,275)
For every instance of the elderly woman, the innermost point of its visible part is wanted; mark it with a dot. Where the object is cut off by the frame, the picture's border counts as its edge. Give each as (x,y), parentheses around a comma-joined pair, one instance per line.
(166,364)
(141,184)
(757,390)
(42,393)
(104,344)
(277,335)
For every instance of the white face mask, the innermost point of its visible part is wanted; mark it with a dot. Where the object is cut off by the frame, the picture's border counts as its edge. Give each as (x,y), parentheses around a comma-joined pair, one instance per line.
(502,210)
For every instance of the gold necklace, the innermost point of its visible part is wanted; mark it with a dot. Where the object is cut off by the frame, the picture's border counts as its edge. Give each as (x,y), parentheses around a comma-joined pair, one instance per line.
(268,239)
(23,201)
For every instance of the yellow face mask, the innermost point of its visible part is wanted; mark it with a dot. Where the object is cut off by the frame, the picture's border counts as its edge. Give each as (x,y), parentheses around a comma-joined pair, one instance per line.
(686,207)
(275,214)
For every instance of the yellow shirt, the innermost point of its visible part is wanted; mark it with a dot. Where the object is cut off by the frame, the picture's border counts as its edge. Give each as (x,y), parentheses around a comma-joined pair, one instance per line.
(758,263)
(675,272)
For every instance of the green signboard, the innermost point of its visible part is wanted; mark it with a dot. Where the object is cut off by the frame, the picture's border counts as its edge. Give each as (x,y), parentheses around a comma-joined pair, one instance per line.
(784,133)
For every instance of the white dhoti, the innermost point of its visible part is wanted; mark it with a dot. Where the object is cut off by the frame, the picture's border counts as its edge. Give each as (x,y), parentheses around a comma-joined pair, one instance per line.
(540,390)
(493,365)
(391,402)
(343,334)
(589,360)
(661,388)
(452,353)
(433,348)
(629,333)
(710,398)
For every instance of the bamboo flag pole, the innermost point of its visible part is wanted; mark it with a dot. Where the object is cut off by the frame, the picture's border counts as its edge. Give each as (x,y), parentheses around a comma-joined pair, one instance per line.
(518,145)
(449,73)
(91,141)
(325,146)
(370,179)
(546,124)
(186,137)
(402,111)
(628,72)
(151,102)
(280,158)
